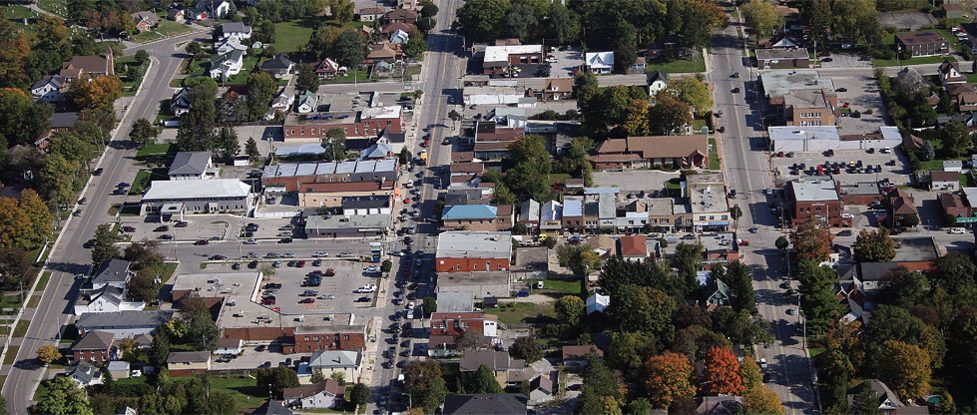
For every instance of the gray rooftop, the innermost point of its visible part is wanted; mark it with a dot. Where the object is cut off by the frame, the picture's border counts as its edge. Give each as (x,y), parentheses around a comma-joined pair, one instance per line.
(335,359)
(123,319)
(780,83)
(190,163)
(116,270)
(196,189)
(826,132)
(464,244)
(916,249)
(188,357)
(351,221)
(781,53)
(814,190)
(456,301)
(326,168)
(710,198)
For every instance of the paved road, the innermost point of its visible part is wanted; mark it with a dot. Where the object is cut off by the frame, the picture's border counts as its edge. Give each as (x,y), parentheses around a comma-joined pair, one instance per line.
(747,171)
(68,257)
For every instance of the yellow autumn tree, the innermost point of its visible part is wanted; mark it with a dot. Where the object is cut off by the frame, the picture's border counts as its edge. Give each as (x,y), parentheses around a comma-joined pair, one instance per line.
(100,92)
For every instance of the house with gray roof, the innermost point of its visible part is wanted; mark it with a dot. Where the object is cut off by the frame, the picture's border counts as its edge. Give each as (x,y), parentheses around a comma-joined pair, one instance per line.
(529,214)
(278,66)
(236,30)
(50,88)
(506,369)
(84,374)
(328,362)
(109,298)
(94,347)
(322,395)
(122,324)
(192,165)
(116,272)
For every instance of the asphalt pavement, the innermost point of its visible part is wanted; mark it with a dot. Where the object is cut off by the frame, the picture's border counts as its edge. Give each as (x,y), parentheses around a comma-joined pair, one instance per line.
(747,171)
(68,257)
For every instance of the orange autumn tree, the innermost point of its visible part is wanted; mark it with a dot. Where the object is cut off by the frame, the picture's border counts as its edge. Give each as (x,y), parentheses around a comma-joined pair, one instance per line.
(722,373)
(100,92)
(669,378)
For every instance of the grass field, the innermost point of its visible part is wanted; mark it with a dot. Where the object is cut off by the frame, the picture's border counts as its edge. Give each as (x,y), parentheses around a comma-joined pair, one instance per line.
(695,64)
(292,36)
(714,163)
(42,283)
(21,328)
(166,28)
(16,11)
(241,78)
(58,7)
(519,313)
(34,301)
(559,287)
(11,355)
(141,182)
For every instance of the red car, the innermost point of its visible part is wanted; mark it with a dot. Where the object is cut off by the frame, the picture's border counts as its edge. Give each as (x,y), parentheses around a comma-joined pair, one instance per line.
(407,201)
(301,264)
(744,242)
(268,301)
(425,144)
(309,300)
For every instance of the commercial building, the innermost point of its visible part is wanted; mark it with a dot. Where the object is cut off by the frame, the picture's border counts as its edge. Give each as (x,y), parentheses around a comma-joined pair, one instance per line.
(497,59)
(169,197)
(633,247)
(822,138)
(682,151)
(347,226)
(782,58)
(777,84)
(464,251)
(446,327)
(369,122)
(816,199)
(123,324)
(477,217)
(346,362)
(473,404)
(917,44)
(333,177)
(809,108)
(492,142)
(708,208)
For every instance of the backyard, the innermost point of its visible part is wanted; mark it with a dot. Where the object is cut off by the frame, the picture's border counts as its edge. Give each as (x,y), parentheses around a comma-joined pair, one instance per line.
(677,65)
(292,36)
(524,313)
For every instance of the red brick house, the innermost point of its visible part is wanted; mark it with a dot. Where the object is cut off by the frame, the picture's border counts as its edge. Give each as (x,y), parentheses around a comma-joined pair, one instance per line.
(94,347)
(307,339)
(816,199)
(465,251)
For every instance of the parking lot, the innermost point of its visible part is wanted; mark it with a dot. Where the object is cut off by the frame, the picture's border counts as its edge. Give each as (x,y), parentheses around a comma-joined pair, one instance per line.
(848,60)
(567,61)
(857,91)
(635,180)
(196,228)
(898,173)
(334,294)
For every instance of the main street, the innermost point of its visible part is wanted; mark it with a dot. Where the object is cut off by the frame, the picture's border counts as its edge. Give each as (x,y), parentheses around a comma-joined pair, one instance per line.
(67,256)
(747,171)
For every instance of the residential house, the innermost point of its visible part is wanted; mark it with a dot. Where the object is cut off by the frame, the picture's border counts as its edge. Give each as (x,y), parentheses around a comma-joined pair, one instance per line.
(176,14)
(717,290)
(144,20)
(392,28)
(119,369)
(598,301)
(228,45)
(816,199)
(122,324)
(468,251)
(345,362)
(114,272)
(329,69)
(575,357)
(543,388)
(323,395)
(279,66)
(209,9)
(383,52)
(901,208)
(192,165)
(889,402)
(529,214)
(272,407)
(180,102)
(402,16)
(281,105)
(88,67)
(687,151)
(657,82)
(226,65)
(370,14)
(963,96)
(950,73)
(477,217)
(782,58)
(399,37)
(188,363)
(476,404)
(948,181)
(51,88)
(307,102)
(954,10)
(551,216)
(719,405)
(633,248)
(229,346)
(599,63)
(104,300)
(94,347)
(59,121)
(235,30)
(506,370)
(84,374)
(919,44)
(554,89)
(445,327)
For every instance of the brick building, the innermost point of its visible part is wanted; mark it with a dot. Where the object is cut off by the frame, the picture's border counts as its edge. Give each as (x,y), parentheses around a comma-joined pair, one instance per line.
(917,44)
(464,251)
(816,199)
(370,122)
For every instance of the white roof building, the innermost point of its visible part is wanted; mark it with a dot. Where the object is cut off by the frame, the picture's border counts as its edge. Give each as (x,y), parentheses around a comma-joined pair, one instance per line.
(597,302)
(501,53)
(599,62)
(822,138)
(466,244)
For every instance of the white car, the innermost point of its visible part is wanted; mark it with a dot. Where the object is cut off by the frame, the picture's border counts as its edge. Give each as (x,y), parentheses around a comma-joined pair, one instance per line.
(958,231)
(368,288)
(763,364)
(410,305)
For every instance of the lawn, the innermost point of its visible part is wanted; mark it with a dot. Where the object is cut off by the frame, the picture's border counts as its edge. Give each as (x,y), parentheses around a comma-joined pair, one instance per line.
(18,12)
(58,7)
(559,287)
(292,36)
(34,301)
(250,61)
(42,283)
(242,389)
(348,79)
(10,301)
(913,61)
(520,313)
(141,182)
(21,329)
(694,64)
(714,163)
(168,269)
(166,28)
(154,150)
(11,356)
(931,165)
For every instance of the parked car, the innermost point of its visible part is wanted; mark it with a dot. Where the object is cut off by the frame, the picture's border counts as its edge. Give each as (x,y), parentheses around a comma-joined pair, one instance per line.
(363,299)
(307,301)
(201,242)
(162,228)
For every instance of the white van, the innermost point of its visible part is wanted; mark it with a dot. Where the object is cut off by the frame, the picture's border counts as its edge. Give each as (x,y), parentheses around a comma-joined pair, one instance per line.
(958,231)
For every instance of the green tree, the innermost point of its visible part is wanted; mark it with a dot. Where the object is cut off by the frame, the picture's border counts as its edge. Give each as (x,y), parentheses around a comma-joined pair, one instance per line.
(61,397)
(529,166)
(906,369)
(893,323)
(645,309)
(481,381)
(865,401)
(687,260)
(142,132)
(274,380)
(561,25)
(602,390)
(349,49)
(425,384)
(197,131)
(202,330)
(47,354)
(668,115)
(782,243)
(570,310)
(874,246)
(261,90)
(692,91)
(359,395)
(194,49)
(955,138)
(103,248)
(526,348)
(750,373)
(251,149)
(335,145)
(579,259)
(307,79)
(741,283)
(416,44)
(630,350)
(818,300)
(38,213)
(227,143)
(481,20)
(762,17)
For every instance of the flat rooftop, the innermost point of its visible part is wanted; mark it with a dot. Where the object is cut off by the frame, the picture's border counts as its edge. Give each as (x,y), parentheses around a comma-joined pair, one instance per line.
(916,249)
(780,83)
(450,279)
(783,133)
(345,222)
(725,241)
(329,168)
(238,289)
(465,244)
(708,199)
(196,189)
(705,178)
(781,53)
(814,190)
(501,53)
